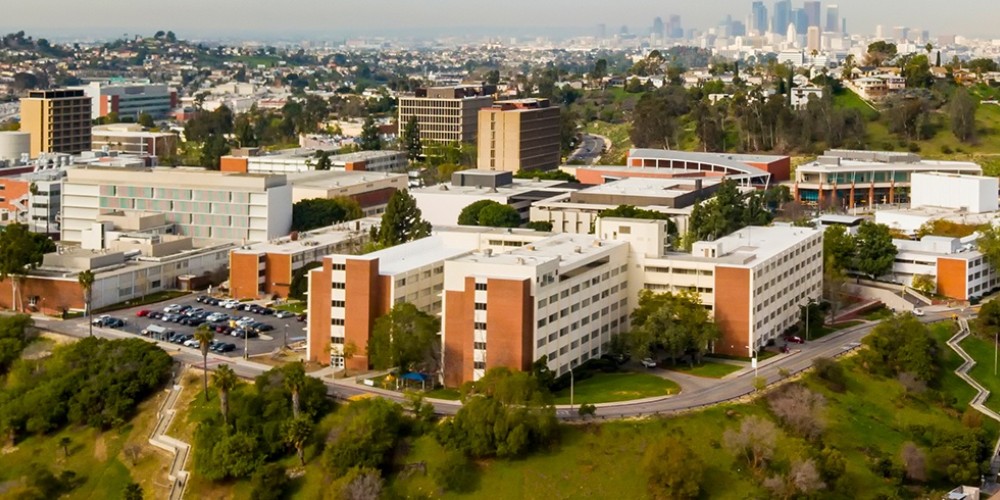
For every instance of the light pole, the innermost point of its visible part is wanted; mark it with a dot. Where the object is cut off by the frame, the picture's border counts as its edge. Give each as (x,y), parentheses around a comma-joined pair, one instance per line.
(571,388)
(246,343)
(286,335)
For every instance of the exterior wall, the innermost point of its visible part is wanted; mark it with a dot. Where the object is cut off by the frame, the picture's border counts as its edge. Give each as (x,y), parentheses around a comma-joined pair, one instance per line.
(780,169)
(318,348)
(14,199)
(46,296)
(58,120)
(509,325)
(952,277)
(512,140)
(443,119)
(152,144)
(278,274)
(595,176)
(732,311)
(364,303)
(234,164)
(458,336)
(974,194)
(441,208)
(244,275)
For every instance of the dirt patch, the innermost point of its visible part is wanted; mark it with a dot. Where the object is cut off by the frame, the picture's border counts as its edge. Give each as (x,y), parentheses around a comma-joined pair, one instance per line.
(100,449)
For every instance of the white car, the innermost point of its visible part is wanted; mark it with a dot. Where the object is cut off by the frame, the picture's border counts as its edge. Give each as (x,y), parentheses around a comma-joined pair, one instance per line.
(284,314)
(649,363)
(230,304)
(192,343)
(172,308)
(918,312)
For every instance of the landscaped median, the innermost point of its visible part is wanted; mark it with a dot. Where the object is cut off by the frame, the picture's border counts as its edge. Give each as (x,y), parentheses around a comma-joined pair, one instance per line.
(616,387)
(707,369)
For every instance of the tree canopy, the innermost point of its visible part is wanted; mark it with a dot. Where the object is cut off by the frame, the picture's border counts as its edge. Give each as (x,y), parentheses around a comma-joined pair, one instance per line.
(16,333)
(489,213)
(401,222)
(322,212)
(727,212)
(902,344)
(403,338)
(675,322)
(874,251)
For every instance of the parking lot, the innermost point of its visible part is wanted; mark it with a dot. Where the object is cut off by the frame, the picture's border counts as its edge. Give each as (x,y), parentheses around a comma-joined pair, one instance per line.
(289,329)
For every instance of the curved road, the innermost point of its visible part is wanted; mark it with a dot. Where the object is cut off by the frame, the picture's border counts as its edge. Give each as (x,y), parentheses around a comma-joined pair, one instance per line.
(590,149)
(733,387)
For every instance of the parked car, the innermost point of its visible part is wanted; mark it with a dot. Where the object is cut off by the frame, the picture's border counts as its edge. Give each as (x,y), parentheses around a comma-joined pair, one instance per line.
(267,311)
(142,313)
(192,343)
(302,317)
(794,339)
(918,312)
(284,314)
(230,304)
(201,299)
(99,321)
(225,347)
(649,363)
(180,339)
(264,327)
(114,323)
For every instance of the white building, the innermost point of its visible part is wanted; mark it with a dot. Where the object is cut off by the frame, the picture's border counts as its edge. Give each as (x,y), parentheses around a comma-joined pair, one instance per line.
(968,193)
(130,99)
(199,203)
(959,270)
(305,160)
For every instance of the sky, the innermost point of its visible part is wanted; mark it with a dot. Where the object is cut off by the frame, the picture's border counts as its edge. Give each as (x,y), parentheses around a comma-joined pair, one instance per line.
(336,19)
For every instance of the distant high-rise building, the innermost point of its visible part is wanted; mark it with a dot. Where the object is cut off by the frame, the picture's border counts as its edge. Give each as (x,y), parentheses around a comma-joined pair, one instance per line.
(58,121)
(832,18)
(445,114)
(737,28)
(879,32)
(674,27)
(791,34)
(901,33)
(623,30)
(801,20)
(843,25)
(812,10)
(814,41)
(758,17)
(782,15)
(658,28)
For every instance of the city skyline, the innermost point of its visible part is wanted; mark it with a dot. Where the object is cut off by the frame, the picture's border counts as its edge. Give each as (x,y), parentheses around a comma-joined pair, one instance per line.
(449,17)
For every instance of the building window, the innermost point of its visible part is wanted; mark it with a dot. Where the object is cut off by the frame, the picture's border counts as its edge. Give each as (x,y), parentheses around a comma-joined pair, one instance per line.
(338,286)
(340,267)
(479,326)
(337,322)
(479,365)
(479,345)
(481,287)
(480,306)
(338,303)
(337,340)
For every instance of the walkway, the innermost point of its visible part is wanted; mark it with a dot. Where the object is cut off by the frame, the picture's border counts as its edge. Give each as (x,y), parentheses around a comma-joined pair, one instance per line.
(982,394)
(180,450)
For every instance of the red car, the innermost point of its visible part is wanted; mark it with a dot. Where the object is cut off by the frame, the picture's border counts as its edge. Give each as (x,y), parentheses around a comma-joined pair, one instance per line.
(142,313)
(795,340)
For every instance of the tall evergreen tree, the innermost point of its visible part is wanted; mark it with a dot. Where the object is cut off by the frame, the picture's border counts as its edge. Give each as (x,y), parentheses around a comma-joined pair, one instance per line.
(401,222)
(411,139)
(369,135)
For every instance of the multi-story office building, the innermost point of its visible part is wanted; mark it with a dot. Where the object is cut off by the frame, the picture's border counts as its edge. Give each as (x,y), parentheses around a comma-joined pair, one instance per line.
(199,203)
(133,139)
(782,16)
(562,297)
(508,297)
(519,135)
(268,268)
(753,280)
(58,121)
(129,100)
(813,10)
(445,114)
(349,292)
(758,18)
(833,23)
(851,178)
(305,159)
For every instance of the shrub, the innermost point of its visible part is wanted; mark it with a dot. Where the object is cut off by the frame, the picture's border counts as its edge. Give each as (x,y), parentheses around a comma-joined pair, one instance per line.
(800,409)
(269,483)
(454,472)
(832,373)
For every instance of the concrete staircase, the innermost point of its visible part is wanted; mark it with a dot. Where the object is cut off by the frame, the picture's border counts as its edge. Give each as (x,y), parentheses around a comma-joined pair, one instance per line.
(179,449)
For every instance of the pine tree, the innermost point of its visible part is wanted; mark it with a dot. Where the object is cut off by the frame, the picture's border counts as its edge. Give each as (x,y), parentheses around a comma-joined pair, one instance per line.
(401,222)
(369,136)
(411,139)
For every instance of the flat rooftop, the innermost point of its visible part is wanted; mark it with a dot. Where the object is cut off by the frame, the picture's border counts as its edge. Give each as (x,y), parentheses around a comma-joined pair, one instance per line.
(297,153)
(413,255)
(329,179)
(567,248)
(520,186)
(877,166)
(309,240)
(752,245)
(652,187)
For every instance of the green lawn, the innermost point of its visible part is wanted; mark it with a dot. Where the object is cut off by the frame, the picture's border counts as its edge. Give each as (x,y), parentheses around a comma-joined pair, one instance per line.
(828,329)
(873,418)
(609,387)
(877,314)
(847,99)
(443,393)
(708,369)
(295,306)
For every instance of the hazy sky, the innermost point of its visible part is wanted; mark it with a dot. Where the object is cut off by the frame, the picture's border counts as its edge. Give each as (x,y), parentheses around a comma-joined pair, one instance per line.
(339,18)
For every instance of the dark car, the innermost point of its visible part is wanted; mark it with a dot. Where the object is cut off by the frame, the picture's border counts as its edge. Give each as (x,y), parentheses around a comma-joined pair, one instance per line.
(795,340)
(226,347)
(201,299)
(180,339)
(267,311)
(114,323)
(302,317)
(154,315)
(264,327)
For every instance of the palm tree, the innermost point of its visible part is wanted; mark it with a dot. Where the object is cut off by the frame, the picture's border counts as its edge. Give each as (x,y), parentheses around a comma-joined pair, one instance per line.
(64,443)
(295,379)
(86,279)
(297,432)
(204,335)
(225,380)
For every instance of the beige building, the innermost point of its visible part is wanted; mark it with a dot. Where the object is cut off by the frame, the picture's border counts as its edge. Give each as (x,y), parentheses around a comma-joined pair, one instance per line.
(132,138)
(58,121)
(519,134)
(445,114)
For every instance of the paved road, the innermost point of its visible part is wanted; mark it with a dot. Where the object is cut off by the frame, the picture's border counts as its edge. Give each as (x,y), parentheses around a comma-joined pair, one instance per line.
(589,150)
(730,388)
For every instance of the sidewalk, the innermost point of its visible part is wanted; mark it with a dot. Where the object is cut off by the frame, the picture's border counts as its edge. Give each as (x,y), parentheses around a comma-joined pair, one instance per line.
(179,449)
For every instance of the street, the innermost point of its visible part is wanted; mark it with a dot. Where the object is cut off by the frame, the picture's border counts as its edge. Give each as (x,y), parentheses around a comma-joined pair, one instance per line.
(589,150)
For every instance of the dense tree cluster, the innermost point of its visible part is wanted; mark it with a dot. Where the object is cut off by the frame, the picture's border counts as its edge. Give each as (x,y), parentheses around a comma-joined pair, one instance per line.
(870,253)
(16,332)
(322,212)
(729,211)
(364,436)
(489,213)
(93,382)
(256,427)
(674,322)
(406,338)
(402,221)
(504,414)
(902,344)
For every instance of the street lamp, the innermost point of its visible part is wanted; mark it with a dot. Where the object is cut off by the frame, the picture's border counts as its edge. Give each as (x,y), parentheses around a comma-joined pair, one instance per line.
(246,343)
(286,335)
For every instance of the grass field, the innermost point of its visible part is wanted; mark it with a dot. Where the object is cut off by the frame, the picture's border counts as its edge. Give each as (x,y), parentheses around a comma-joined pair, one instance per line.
(443,393)
(872,418)
(95,457)
(610,387)
(847,99)
(295,306)
(828,329)
(708,369)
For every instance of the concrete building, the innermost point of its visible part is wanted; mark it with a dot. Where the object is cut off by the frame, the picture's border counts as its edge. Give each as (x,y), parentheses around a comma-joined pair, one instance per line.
(958,269)
(200,203)
(349,292)
(268,269)
(562,297)
(441,204)
(58,121)
(33,199)
(866,178)
(750,170)
(304,160)
(577,211)
(131,138)
(445,114)
(802,95)
(14,146)
(753,280)
(814,39)
(130,99)
(371,190)
(968,193)
(507,297)
(521,134)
